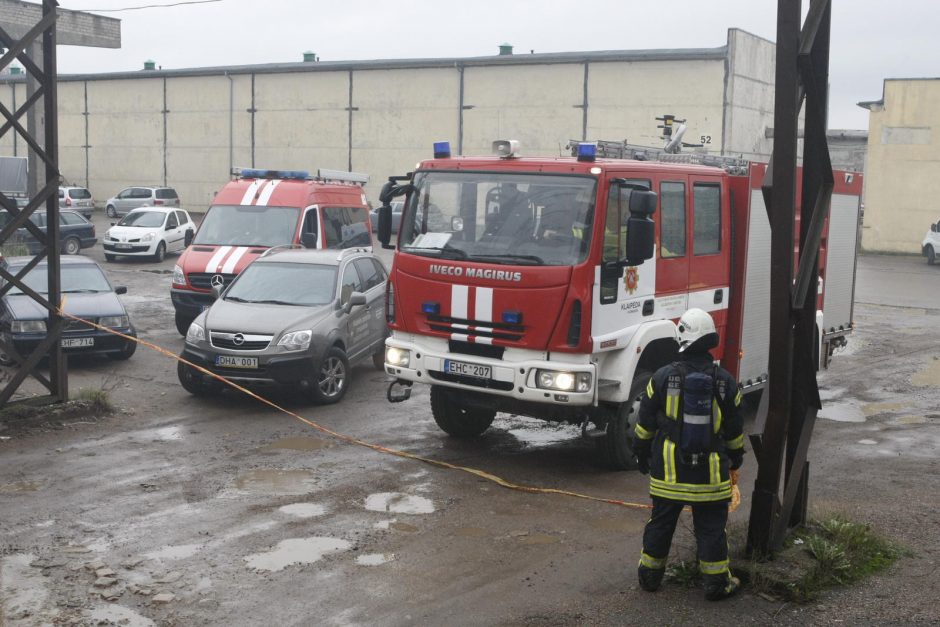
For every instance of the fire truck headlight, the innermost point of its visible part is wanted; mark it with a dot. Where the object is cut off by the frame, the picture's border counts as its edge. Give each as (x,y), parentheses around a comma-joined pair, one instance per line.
(563,381)
(397,356)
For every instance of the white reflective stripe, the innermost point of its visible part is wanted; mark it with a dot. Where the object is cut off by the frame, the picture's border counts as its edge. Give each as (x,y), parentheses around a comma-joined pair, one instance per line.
(458,301)
(463,327)
(217,258)
(232,261)
(484,304)
(460,337)
(482,340)
(265,195)
(705,299)
(250,192)
(692,419)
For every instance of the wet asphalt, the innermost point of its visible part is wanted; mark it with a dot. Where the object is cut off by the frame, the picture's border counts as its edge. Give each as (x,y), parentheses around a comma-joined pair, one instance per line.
(222,511)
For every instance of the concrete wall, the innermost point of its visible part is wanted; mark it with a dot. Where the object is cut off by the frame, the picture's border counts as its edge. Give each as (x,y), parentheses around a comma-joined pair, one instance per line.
(186,128)
(901,183)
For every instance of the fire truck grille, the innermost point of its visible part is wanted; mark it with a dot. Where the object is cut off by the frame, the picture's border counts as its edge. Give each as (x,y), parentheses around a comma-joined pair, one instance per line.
(478,350)
(203,280)
(495,330)
(490,384)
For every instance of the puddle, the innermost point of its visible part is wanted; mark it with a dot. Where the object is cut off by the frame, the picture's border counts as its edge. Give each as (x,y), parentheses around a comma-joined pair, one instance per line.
(398,503)
(400,526)
(169,434)
(275,482)
(929,376)
(539,538)
(45,523)
(868,442)
(178,552)
(20,486)
(296,551)
(301,443)
(872,409)
(375,559)
(471,532)
(22,589)
(829,394)
(534,433)
(845,411)
(617,524)
(117,615)
(303,510)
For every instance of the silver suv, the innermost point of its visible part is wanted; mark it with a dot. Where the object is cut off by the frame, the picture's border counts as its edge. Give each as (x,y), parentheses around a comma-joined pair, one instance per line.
(293,317)
(133,197)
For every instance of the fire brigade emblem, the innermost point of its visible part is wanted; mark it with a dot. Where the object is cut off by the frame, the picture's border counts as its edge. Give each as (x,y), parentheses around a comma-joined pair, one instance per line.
(631,278)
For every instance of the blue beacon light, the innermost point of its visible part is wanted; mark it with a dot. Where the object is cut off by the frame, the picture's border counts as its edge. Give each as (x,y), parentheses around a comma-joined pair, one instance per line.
(512,317)
(441,150)
(431,308)
(587,152)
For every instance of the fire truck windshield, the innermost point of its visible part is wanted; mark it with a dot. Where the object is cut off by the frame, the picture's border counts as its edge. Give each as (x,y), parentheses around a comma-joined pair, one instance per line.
(243,225)
(515,219)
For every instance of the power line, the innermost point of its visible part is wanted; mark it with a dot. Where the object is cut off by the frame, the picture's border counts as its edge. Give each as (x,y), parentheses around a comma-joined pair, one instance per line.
(147,6)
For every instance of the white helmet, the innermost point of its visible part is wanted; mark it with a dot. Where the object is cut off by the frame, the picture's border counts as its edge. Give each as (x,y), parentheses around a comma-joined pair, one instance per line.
(693,326)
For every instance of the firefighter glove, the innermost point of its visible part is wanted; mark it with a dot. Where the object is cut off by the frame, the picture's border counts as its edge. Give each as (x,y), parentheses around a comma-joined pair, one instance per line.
(736,458)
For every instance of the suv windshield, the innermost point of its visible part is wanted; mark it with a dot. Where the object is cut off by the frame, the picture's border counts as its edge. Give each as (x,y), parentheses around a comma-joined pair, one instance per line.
(244,225)
(516,219)
(75,278)
(301,284)
(144,219)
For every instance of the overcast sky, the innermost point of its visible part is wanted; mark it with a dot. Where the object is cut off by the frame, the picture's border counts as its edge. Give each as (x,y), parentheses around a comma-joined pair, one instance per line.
(871,39)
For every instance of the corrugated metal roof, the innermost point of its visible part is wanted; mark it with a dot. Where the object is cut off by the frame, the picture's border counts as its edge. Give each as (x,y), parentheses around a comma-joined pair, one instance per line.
(600,56)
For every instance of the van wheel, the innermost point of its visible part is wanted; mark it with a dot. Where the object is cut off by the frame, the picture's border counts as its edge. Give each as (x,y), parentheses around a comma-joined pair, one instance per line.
(616,447)
(457,421)
(182,323)
(931,256)
(112,213)
(332,378)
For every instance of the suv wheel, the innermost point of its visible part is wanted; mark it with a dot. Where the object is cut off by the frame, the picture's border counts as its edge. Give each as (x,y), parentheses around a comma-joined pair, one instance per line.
(332,378)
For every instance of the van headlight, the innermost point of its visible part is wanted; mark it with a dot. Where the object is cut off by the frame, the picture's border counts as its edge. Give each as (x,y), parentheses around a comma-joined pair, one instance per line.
(296,340)
(115,322)
(178,277)
(195,333)
(28,326)
(397,356)
(563,381)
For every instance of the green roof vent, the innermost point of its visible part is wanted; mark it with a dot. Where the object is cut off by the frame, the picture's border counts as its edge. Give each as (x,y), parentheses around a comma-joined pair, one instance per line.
(150,65)
(505,50)
(310,57)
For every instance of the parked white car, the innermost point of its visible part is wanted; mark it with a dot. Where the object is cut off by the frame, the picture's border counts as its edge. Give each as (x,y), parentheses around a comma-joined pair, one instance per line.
(930,247)
(149,232)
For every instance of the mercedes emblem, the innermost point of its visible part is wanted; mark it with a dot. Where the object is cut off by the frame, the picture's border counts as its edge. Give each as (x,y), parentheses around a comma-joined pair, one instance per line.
(217,280)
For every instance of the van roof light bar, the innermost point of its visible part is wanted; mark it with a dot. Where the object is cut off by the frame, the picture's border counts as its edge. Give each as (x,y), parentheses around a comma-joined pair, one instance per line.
(339,175)
(259,173)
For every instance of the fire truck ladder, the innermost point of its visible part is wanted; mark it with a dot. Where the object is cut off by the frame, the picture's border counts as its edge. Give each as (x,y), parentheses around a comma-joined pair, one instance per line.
(607,149)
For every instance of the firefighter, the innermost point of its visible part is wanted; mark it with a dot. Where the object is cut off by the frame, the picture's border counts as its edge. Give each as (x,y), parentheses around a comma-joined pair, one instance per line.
(688,437)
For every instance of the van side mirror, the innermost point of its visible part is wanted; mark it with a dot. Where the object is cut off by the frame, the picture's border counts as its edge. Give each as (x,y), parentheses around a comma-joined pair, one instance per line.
(355,299)
(308,239)
(385,225)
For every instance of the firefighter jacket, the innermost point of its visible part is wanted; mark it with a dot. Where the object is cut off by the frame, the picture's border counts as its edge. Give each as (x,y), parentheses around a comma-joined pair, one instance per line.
(677,476)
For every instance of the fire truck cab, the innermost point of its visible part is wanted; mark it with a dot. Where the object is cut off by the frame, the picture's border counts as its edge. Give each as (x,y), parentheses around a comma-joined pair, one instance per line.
(549,287)
(262,209)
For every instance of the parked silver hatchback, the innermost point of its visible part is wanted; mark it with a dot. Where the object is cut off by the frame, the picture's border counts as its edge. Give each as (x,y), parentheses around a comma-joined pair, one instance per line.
(133,197)
(300,318)
(78,199)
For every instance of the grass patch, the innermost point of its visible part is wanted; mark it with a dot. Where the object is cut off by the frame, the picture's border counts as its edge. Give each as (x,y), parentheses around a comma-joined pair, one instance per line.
(826,553)
(14,250)
(99,401)
(684,573)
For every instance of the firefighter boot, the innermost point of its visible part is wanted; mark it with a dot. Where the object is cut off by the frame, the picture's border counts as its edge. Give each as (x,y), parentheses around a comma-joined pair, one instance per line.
(650,578)
(720,587)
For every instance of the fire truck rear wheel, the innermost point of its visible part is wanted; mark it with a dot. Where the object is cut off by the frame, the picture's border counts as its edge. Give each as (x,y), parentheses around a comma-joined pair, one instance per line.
(457,421)
(616,448)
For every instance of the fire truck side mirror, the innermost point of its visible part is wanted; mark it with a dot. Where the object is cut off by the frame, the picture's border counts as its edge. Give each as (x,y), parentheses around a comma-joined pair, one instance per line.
(641,235)
(385,225)
(642,203)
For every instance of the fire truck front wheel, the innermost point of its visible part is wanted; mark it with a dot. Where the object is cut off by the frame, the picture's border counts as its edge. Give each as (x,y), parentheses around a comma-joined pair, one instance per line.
(616,446)
(455,420)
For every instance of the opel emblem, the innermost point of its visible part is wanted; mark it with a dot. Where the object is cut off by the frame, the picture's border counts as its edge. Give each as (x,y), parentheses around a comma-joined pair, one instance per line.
(238,339)
(216,280)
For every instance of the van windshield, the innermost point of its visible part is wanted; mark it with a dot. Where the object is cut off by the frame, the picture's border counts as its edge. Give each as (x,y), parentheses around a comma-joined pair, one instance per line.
(515,219)
(243,225)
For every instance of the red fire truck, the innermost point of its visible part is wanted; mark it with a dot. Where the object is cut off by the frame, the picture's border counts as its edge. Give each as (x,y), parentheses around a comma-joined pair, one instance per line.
(262,209)
(550,287)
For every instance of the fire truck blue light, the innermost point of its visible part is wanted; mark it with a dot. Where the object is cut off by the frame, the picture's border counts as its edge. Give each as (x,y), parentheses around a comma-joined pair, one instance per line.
(441,150)
(512,317)
(431,308)
(587,152)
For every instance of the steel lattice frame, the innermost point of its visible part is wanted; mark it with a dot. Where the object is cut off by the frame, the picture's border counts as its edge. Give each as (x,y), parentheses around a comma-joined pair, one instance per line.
(46,148)
(788,409)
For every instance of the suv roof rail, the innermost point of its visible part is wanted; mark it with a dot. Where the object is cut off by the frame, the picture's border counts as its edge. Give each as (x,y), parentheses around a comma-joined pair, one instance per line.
(279,248)
(345,252)
(623,150)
